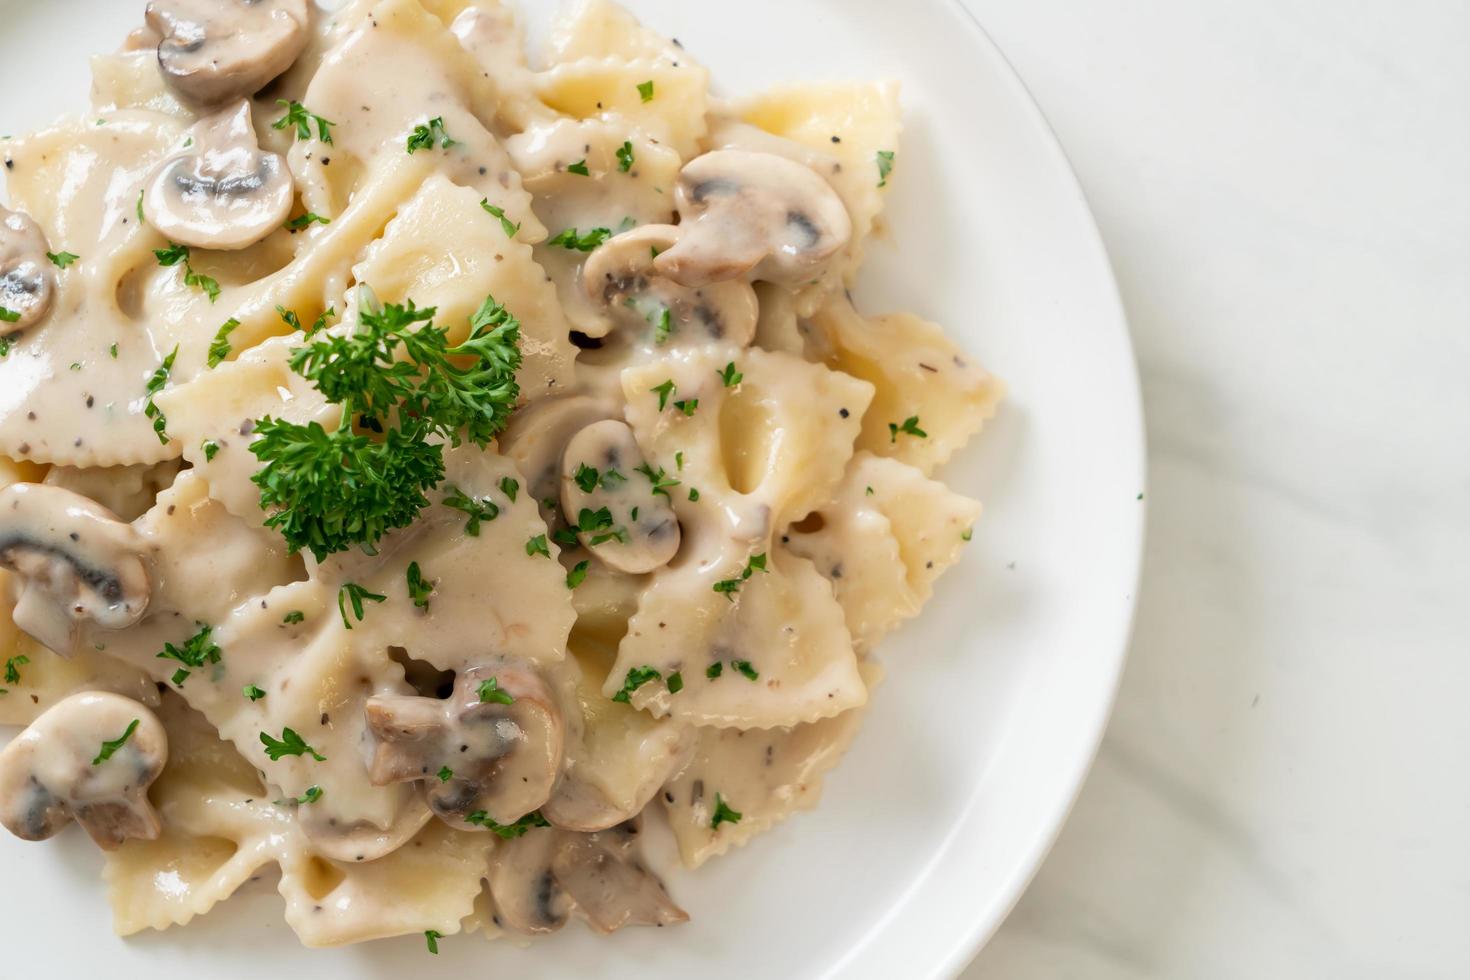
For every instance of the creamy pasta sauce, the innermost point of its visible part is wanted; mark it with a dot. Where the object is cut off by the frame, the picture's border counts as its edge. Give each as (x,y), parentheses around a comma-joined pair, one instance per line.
(427,472)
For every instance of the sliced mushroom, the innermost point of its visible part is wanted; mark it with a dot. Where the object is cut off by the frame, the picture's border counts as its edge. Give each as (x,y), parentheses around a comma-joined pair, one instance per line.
(638,531)
(74,561)
(473,755)
(25,279)
(362,840)
(757,216)
(537,880)
(216,51)
(537,436)
(91,756)
(224,191)
(624,276)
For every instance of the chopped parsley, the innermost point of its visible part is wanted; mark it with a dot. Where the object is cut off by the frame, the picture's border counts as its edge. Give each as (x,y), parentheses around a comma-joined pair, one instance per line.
(176,254)
(687,406)
(492,693)
(599,524)
(967,533)
(745,668)
(477,509)
(197,651)
(419,588)
(693,495)
(112,745)
(728,587)
(579,168)
(310,796)
(445,774)
(910,427)
(506,225)
(432,937)
(676,682)
(637,677)
(723,813)
(568,238)
(306,220)
(62,259)
(294,322)
(578,573)
(156,381)
(510,486)
(645,90)
(885,166)
(352,594)
(509,831)
(730,376)
(12,668)
(586,477)
(294,616)
(679,460)
(9,316)
(659,479)
(219,348)
(664,391)
(252,692)
(210,447)
(714,670)
(289,743)
(299,116)
(664,328)
(424,136)
(113,351)
(537,546)
(625,157)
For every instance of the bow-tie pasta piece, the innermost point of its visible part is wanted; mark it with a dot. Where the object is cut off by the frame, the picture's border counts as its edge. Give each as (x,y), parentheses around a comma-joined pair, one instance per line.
(488,30)
(439,107)
(602,29)
(742,443)
(660,100)
(883,542)
(742,783)
(411,262)
(930,398)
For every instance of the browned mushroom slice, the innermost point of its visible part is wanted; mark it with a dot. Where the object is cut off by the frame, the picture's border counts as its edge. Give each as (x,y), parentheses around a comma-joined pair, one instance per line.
(756,216)
(74,560)
(602,492)
(91,756)
(216,51)
(488,755)
(25,279)
(538,879)
(643,301)
(223,192)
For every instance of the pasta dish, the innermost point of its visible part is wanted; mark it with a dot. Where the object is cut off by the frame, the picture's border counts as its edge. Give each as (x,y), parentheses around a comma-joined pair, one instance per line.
(426,471)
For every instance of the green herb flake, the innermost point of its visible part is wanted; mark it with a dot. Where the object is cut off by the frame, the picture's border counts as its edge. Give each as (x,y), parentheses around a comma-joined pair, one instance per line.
(730,376)
(637,677)
(579,168)
(506,225)
(578,574)
(676,682)
(419,588)
(508,831)
(723,813)
(210,448)
(744,667)
(219,348)
(352,594)
(492,693)
(664,391)
(299,116)
(661,482)
(293,617)
(12,668)
(477,509)
(445,774)
(537,546)
(967,534)
(586,478)
(885,166)
(432,937)
(197,651)
(289,743)
(664,328)
(910,427)
(693,495)
(306,220)
(625,157)
(688,406)
(510,486)
(112,745)
(426,134)
(714,670)
(645,91)
(569,239)
(310,796)
(62,259)
(252,692)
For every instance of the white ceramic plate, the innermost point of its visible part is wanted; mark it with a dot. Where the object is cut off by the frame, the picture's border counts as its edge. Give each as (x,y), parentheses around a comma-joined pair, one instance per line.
(996,697)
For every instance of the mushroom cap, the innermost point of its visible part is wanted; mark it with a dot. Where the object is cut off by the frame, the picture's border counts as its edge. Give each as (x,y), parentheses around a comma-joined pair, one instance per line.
(75,561)
(636,545)
(26,284)
(504,758)
(623,275)
(53,771)
(224,192)
(538,434)
(216,51)
(754,216)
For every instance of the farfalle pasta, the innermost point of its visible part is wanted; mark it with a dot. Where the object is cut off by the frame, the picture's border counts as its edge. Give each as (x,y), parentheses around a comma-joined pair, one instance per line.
(418,460)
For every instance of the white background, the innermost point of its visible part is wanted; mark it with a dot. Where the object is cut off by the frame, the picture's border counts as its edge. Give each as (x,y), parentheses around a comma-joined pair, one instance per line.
(1284,792)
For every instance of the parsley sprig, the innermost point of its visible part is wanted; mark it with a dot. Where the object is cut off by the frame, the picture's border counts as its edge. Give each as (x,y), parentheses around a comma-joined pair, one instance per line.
(302,118)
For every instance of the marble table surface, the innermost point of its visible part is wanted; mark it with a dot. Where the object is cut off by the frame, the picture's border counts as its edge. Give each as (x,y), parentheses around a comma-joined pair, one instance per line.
(1284,792)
